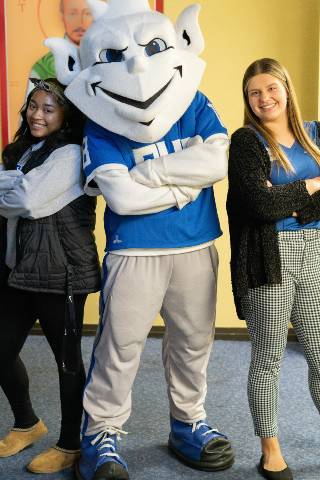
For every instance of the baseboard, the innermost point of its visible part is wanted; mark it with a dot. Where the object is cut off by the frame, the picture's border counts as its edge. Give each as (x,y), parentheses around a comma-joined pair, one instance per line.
(221,333)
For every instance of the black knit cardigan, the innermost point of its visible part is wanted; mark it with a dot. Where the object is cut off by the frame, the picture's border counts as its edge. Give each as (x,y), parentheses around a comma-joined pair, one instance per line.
(253,210)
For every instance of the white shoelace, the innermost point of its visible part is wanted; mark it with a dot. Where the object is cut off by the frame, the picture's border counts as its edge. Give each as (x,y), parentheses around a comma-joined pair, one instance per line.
(196,426)
(105,441)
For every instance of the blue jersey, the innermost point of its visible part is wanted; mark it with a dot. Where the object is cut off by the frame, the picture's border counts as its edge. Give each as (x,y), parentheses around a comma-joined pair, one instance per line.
(196,223)
(305,167)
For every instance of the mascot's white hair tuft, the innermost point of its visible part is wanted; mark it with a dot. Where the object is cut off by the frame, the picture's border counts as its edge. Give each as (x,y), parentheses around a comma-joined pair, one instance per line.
(117,8)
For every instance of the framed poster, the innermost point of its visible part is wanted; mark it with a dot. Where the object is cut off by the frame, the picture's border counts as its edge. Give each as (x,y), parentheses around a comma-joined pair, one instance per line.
(24,25)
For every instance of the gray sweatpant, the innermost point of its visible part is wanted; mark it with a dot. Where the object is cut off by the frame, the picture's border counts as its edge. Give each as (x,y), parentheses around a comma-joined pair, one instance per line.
(183,288)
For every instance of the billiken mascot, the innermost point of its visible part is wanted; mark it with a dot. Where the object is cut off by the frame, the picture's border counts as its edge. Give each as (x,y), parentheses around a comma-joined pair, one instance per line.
(153,147)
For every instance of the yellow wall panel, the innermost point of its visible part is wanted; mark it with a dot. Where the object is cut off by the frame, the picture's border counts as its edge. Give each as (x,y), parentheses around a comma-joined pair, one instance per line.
(236,34)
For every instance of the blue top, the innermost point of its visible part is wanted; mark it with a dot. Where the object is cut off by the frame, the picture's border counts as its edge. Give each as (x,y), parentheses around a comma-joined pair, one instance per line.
(305,167)
(196,223)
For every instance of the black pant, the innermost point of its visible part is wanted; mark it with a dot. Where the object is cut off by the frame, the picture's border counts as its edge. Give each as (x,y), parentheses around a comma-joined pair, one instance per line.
(18,312)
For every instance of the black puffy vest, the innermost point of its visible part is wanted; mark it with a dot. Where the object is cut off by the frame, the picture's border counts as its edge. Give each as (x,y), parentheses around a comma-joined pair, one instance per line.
(55,254)
(56,250)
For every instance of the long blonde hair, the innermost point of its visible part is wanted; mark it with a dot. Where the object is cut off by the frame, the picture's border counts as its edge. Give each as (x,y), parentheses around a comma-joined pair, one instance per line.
(274,68)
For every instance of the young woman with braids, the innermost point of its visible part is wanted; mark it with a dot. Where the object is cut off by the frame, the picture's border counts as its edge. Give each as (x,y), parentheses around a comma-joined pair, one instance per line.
(49,265)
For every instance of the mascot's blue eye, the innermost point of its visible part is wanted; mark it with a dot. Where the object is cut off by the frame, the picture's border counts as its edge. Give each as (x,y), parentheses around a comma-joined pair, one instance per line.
(110,55)
(155,46)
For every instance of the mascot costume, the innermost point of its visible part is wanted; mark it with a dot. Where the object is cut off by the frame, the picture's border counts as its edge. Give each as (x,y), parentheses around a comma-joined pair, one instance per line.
(153,147)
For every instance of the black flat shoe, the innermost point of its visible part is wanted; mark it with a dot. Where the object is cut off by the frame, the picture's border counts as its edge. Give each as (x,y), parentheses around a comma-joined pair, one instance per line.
(285,474)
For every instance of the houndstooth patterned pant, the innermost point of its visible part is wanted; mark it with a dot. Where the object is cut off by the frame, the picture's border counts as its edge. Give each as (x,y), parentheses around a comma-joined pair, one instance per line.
(268,310)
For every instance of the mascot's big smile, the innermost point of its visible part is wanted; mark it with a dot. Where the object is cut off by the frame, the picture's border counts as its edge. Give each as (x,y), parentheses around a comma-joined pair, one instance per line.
(130,101)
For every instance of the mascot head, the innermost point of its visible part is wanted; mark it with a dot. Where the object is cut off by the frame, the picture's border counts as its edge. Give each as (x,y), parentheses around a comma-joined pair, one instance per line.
(135,73)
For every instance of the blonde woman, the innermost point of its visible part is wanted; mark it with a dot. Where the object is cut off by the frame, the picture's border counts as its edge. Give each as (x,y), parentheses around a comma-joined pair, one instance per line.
(274,218)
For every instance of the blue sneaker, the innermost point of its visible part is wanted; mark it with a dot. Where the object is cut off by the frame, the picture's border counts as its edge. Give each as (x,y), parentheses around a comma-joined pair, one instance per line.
(99,459)
(200,446)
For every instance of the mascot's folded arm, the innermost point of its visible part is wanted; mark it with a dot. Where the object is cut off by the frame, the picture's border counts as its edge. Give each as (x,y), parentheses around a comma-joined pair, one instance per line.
(125,197)
(200,165)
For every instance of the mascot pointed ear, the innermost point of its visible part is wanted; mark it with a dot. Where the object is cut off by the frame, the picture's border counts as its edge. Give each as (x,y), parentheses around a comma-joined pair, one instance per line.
(66,59)
(97,8)
(188,31)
